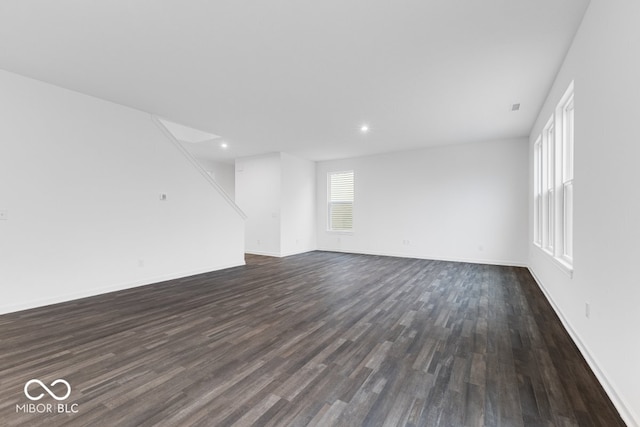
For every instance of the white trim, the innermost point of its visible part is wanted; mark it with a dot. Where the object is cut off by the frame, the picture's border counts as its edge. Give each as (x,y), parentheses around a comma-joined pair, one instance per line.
(623,408)
(158,121)
(537,192)
(549,162)
(304,251)
(108,289)
(263,253)
(558,262)
(330,203)
(279,255)
(505,263)
(548,168)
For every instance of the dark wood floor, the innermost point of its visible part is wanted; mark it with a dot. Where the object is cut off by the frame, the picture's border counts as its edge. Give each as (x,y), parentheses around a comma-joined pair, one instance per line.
(314,339)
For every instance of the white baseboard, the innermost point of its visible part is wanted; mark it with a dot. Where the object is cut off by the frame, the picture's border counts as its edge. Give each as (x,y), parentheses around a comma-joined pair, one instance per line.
(12,308)
(304,251)
(506,263)
(280,255)
(623,409)
(263,253)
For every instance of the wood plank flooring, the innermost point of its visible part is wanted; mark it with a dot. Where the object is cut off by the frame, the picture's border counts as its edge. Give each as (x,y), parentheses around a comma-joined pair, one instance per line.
(318,339)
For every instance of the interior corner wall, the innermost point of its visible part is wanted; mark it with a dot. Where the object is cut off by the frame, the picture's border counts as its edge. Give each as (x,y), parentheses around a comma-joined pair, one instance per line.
(80,180)
(464,202)
(277,193)
(604,65)
(259,194)
(298,219)
(223,173)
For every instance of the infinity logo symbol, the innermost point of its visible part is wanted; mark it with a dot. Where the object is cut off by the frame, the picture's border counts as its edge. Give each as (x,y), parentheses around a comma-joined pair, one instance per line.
(52,394)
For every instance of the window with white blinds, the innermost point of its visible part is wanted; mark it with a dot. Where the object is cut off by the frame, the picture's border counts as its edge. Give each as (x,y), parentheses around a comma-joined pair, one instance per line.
(340,201)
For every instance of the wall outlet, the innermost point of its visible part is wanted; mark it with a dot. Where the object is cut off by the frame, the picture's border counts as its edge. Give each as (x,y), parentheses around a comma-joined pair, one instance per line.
(406,242)
(4,215)
(587,310)
(140,263)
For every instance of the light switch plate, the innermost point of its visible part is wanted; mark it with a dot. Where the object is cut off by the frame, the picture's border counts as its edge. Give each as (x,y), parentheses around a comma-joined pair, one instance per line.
(4,214)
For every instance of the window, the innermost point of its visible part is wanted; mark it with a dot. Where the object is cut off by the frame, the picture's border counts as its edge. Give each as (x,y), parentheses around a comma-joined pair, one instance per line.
(537,192)
(548,181)
(567,176)
(553,183)
(340,201)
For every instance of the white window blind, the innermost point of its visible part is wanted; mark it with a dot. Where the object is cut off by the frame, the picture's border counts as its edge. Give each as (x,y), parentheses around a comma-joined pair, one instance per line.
(340,201)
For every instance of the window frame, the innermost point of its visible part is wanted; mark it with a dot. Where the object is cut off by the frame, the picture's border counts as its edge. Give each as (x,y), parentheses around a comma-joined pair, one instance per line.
(567,113)
(553,178)
(548,186)
(537,192)
(331,203)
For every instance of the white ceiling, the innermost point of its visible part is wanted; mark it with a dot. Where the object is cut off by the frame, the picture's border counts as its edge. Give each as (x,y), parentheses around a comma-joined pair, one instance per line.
(301,76)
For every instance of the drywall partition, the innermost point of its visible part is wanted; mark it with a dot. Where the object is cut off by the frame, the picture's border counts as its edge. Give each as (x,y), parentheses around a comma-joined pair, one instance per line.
(258,193)
(81,180)
(277,193)
(464,202)
(298,205)
(604,65)
(208,175)
(223,173)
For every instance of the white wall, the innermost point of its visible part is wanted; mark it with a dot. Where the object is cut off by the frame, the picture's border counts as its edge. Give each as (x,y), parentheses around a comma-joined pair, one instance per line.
(80,179)
(298,214)
(277,193)
(463,203)
(223,173)
(258,194)
(605,65)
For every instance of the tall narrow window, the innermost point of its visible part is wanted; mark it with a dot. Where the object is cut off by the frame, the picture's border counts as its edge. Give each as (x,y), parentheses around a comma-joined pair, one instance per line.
(567,175)
(340,201)
(553,184)
(537,192)
(548,181)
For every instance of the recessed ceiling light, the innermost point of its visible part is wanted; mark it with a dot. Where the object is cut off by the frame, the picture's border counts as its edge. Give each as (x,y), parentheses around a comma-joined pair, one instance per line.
(364,128)
(515,107)
(224,145)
